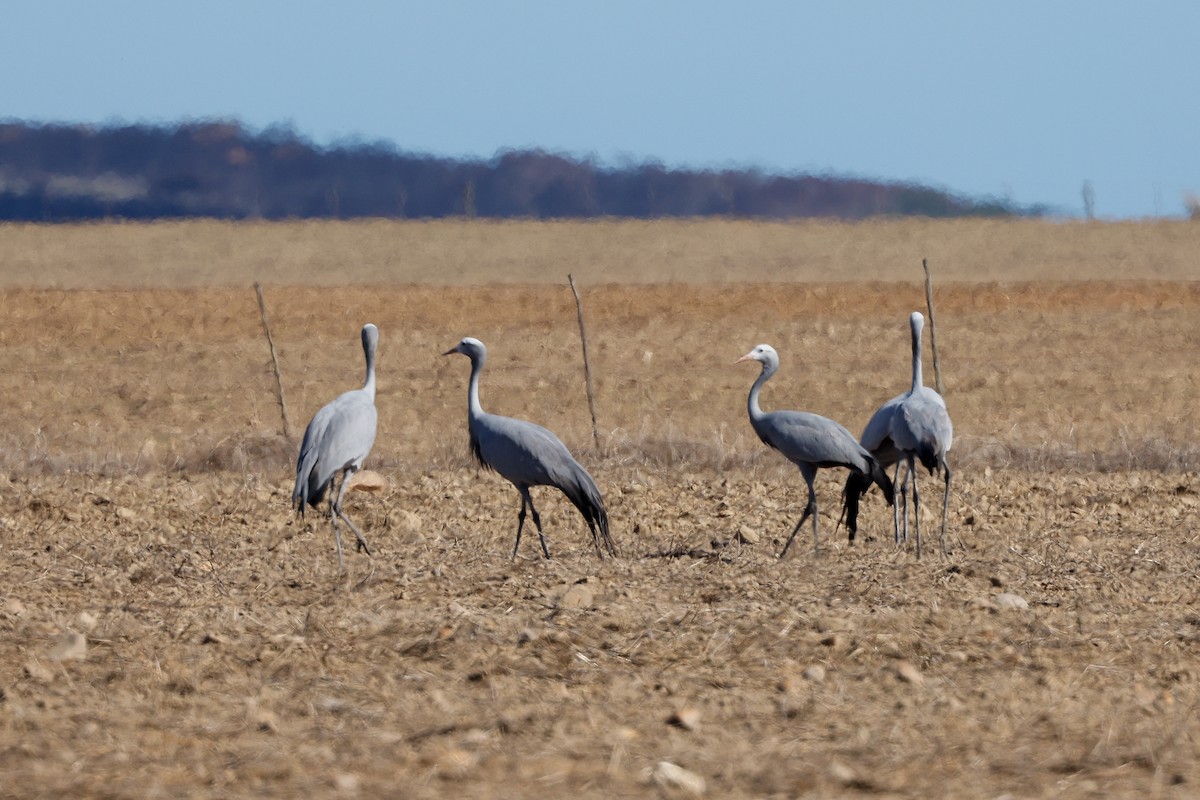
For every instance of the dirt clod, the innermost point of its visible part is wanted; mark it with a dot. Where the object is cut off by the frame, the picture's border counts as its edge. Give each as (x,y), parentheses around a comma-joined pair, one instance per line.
(908,672)
(814,673)
(687,718)
(1008,601)
(747,535)
(71,646)
(671,776)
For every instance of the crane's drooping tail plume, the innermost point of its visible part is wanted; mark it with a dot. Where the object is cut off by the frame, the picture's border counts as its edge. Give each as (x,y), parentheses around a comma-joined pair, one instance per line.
(928,455)
(309,491)
(585,496)
(857,484)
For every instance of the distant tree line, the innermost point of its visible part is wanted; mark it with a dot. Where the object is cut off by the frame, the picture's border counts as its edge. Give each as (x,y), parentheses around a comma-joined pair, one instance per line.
(54,172)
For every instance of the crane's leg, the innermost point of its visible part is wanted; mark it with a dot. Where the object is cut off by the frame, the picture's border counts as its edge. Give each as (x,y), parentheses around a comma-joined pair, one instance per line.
(916,505)
(337,537)
(810,507)
(527,499)
(896,506)
(905,481)
(520,520)
(812,501)
(538,522)
(362,543)
(337,511)
(945,505)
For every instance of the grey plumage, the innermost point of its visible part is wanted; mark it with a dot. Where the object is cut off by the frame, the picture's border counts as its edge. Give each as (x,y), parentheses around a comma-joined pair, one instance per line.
(529,455)
(808,440)
(877,436)
(914,426)
(921,430)
(336,442)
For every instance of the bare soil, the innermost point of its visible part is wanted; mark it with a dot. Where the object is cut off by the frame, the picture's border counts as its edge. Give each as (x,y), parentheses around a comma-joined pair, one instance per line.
(168,628)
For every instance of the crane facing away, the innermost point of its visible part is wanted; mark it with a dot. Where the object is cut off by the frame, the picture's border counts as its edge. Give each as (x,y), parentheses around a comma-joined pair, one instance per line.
(529,455)
(922,430)
(338,440)
(910,427)
(809,441)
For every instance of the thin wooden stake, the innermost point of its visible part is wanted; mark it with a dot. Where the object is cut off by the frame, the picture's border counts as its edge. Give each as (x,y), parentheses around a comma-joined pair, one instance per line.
(262,308)
(937,364)
(587,367)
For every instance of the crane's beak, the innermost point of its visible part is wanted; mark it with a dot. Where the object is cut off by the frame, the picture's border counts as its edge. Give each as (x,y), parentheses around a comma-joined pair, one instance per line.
(748,357)
(452,350)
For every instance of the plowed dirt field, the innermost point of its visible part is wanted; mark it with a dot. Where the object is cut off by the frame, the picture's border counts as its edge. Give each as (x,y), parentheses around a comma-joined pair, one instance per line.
(168,628)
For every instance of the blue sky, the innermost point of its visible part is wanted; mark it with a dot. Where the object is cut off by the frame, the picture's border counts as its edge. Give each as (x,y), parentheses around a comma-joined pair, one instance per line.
(1019,100)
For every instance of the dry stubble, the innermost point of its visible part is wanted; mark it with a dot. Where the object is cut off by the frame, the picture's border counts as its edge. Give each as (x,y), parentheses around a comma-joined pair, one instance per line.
(147,511)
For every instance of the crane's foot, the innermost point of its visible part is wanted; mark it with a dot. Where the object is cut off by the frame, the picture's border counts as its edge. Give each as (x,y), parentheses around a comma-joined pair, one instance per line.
(361,543)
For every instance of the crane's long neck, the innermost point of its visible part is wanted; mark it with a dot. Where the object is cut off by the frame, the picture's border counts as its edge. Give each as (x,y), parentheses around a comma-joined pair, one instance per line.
(752,406)
(918,380)
(369,383)
(474,409)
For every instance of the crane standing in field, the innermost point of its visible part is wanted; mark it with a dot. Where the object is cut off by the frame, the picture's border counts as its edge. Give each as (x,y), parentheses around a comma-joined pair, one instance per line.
(913,426)
(921,430)
(810,441)
(338,440)
(529,455)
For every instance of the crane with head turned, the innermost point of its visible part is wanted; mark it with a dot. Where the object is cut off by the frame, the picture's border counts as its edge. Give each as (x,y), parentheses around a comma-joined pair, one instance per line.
(336,442)
(529,455)
(809,441)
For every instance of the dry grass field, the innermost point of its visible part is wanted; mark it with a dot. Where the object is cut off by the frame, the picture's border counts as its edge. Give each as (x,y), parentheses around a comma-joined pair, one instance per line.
(168,629)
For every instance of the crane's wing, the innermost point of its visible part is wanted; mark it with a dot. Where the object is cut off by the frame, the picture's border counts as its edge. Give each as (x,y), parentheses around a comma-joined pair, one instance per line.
(307,490)
(521,451)
(340,435)
(922,426)
(877,438)
(812,439)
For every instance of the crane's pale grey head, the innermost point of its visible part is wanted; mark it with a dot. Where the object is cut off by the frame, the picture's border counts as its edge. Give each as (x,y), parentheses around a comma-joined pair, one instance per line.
(916,321)
(370,337)
(470,347)
(763,354)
